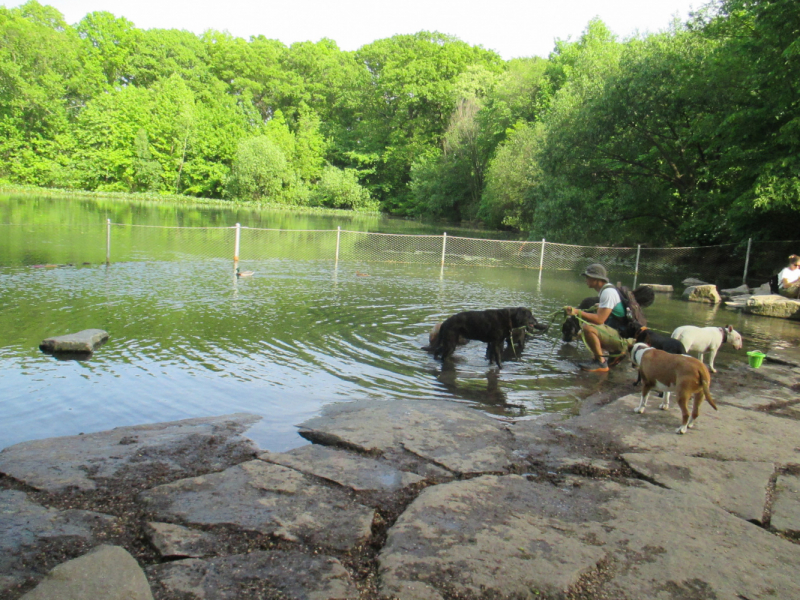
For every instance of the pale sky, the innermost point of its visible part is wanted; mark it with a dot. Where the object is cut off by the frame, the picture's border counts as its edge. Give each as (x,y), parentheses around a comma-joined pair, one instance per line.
(513,28)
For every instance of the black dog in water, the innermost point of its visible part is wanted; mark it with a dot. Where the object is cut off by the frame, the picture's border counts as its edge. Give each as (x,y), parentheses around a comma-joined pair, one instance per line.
(493,326)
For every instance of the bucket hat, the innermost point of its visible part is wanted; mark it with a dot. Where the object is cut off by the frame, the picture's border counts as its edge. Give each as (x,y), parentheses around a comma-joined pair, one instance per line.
(596,271)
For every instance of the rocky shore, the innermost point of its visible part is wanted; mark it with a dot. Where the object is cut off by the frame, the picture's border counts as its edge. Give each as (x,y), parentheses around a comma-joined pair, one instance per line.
(422,501)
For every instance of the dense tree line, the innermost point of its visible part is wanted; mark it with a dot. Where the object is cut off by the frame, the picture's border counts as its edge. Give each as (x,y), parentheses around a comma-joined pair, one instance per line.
(686,136)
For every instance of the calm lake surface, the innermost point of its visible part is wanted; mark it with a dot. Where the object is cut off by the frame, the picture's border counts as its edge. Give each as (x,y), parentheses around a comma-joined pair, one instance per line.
(189,340)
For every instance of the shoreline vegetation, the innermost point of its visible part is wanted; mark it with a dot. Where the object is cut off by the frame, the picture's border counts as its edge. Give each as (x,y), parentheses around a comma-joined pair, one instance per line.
(684,137)
(155,197)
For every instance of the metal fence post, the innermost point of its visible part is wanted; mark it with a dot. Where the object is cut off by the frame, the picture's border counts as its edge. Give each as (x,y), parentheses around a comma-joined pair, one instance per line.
(541,256)
(636,268)
(747,260)
(338,234)
(108,241)
(444,246)
(236,243)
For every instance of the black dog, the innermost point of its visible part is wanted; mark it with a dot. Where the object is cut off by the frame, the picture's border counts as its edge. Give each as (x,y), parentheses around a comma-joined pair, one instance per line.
(659,342)
(493,326)
(571,328)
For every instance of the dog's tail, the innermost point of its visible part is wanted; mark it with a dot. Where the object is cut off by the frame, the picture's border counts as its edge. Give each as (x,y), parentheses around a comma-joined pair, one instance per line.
(705,379)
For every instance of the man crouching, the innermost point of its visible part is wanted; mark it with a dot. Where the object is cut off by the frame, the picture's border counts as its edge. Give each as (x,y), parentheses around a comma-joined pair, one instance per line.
(604,329)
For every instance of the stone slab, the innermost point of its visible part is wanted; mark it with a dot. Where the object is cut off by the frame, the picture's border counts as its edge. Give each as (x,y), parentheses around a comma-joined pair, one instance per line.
(28,530)
(85,341)
(447,434)
(107,572)
(742,290)
(173,541)
(693,281)
(784,353)
(88,461)
(773,306)
(740,487)
(786,504)
(658,287)
(359,473)
(255,576)
(506,537)
(702,293)
(728,434)
(747,398)
(268,499)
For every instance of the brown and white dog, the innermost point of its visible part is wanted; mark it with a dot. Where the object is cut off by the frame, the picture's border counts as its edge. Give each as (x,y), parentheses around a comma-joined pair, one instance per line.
(666,372)
(707,339)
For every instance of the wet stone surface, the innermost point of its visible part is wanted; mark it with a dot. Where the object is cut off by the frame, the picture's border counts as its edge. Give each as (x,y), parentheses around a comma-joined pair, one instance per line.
(253,576)
(429,500)
(268,499)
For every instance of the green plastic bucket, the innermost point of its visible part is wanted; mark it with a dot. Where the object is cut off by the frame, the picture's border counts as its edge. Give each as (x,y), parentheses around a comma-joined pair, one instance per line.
(756,358)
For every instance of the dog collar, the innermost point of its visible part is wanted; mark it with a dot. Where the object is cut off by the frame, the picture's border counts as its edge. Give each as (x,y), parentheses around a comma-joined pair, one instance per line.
(724,334)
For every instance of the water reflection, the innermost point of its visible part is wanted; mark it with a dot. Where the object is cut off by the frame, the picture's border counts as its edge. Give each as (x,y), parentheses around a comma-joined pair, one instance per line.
(188,338)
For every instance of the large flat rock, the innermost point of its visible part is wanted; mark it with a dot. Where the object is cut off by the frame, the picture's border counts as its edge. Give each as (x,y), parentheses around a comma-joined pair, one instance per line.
(447,434)
(773,306)
(107,572)
(740,487)
(29,531)
(255,576)
(506,537)
(82,342)
(359,473)
(786,506)
(728,434)
(176,449)
(266,498)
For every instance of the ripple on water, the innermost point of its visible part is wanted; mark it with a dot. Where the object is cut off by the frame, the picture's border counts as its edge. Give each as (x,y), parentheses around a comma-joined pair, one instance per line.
(188,339)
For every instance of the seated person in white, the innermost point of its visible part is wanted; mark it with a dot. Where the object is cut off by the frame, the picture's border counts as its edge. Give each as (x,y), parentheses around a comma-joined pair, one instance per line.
(789,278)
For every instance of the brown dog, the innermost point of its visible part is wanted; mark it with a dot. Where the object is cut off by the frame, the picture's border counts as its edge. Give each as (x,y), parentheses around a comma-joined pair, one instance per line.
(666,372)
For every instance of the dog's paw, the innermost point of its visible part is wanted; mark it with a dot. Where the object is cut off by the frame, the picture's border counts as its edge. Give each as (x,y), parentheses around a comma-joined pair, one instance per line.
(680,430)
(712,369)
(663,406)
(639,410)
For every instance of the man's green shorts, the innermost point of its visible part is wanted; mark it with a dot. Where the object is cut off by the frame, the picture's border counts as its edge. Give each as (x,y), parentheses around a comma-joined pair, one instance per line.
(610,339)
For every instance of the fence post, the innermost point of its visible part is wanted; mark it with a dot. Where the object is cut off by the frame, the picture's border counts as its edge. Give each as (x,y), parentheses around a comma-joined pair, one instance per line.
(108,241)
(541,257)
(338,233)
(747,260)
(444,246)
(236,243)
(636,268)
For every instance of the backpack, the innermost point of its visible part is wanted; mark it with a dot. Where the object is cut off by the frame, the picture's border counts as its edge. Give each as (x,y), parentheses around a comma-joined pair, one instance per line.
(633,312)
(773,284)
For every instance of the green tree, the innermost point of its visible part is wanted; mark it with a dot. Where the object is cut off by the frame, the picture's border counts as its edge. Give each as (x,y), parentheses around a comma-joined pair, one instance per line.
(339,188)
(259,172)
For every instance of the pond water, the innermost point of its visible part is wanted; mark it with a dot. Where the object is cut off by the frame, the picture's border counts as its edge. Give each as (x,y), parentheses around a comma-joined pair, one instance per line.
(187,339)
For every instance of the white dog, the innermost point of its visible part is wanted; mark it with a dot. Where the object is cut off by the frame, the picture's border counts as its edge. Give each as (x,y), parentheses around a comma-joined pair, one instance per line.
(707,339)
